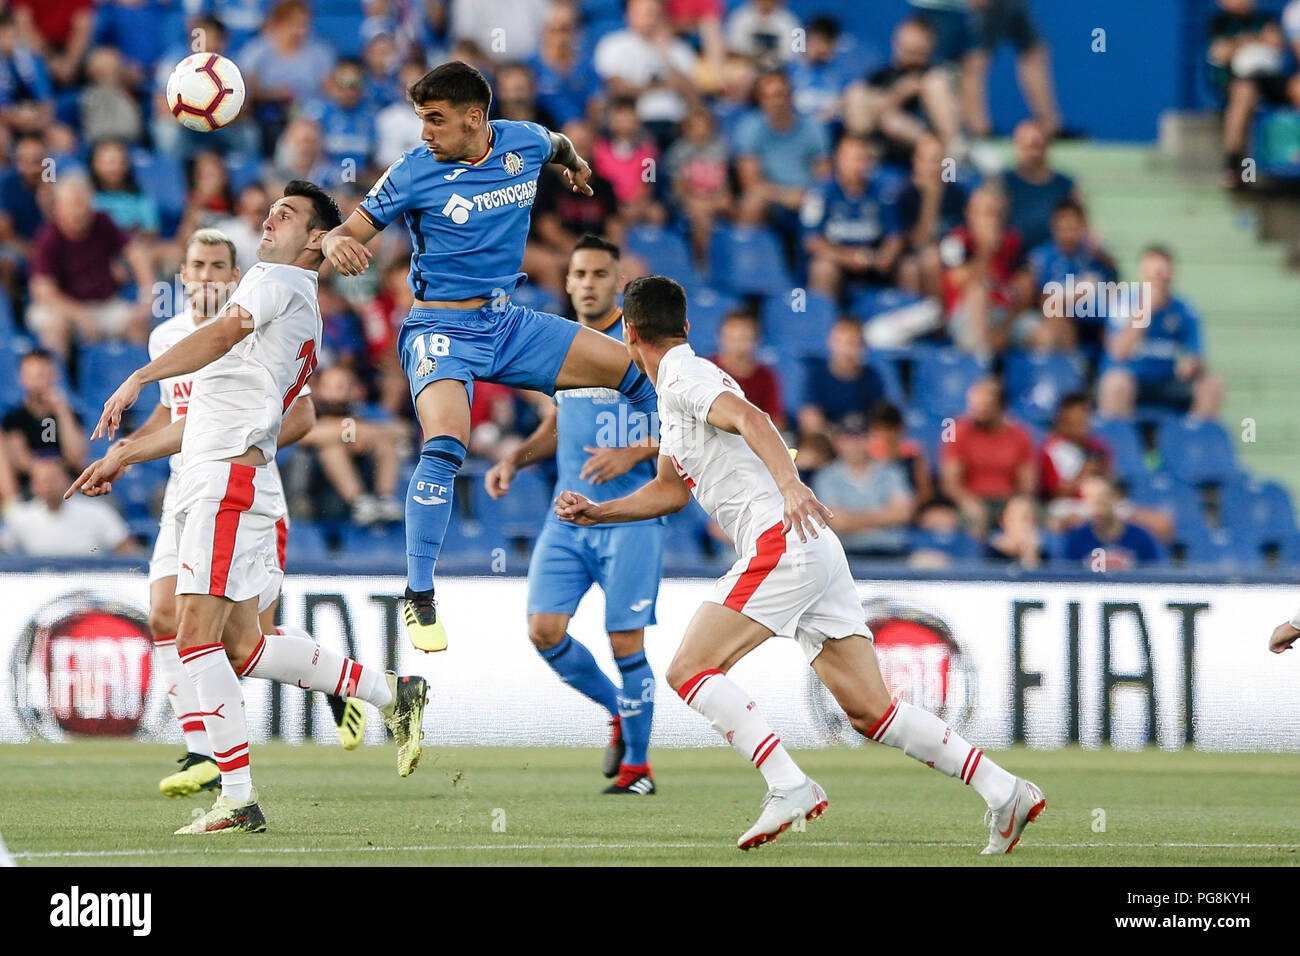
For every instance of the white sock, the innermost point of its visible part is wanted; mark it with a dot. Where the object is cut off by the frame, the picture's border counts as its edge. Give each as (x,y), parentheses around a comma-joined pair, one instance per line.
(291,656)
(180,694)
(736,718)
(924,737)
(221,703)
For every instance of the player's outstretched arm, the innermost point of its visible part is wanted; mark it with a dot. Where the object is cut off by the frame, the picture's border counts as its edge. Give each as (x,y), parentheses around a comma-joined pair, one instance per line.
(196,350)
(299,421)
(803,511)
(665,494)
(1284,635)
(345,245)
(538,446)
(99,476)
(576,169)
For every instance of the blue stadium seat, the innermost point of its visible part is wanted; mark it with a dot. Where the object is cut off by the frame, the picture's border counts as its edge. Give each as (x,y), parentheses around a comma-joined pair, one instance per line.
(471,539)
(341,31)
(243,169)
(1126,448)
(375,542)
(1196,451)
(1219,547)
(307,543)
(748,260)
(705,309)
(102,367)
(940,379)
(1037,381)
(163,180)
(665,250)
(958,545)
(520,513)
(926,430)
(685,535)
(889,377)
(1164,491)
(868,303)
(1258,511)
(795,333)
(536,297)
(11,352)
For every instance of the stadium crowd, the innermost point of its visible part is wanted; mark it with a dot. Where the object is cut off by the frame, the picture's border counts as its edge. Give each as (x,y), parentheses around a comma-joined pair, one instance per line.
(965,373)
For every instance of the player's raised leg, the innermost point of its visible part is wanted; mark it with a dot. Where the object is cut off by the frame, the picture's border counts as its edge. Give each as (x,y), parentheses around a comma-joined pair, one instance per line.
(204,621)
(596,360)
(715,640)
(849,669)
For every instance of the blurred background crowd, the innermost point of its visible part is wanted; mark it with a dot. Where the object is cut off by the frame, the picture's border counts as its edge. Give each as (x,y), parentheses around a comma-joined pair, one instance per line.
(968,373)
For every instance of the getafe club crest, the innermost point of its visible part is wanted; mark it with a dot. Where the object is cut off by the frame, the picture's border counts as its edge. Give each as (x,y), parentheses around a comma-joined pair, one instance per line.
(513,163)
(426,367)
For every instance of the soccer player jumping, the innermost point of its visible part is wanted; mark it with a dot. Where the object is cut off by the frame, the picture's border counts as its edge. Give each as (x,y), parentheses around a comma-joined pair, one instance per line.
(604,448)
(792,579)
(466,197)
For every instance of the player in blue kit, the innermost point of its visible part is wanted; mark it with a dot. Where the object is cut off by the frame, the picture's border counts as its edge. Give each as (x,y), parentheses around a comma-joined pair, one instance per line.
(466,197)
(605,448)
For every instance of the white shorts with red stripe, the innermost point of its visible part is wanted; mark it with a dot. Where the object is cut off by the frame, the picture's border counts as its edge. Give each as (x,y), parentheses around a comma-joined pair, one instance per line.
(162,564)
(228,532)
(798,589)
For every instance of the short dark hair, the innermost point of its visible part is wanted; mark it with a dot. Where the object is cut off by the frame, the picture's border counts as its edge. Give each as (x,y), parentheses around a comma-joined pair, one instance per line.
(454,81)
(590,241)
(825,26)
(45,355)
(886,415)
(741,315)
(1070,204)
(325,211)
(1157,249)
(656,307)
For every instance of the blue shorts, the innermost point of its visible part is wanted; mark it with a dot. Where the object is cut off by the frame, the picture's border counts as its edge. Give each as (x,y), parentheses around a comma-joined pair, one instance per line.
(514,346)
(626,560)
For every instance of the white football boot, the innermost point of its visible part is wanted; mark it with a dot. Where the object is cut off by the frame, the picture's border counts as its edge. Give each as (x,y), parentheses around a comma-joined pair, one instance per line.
(782,808)
(1008,821)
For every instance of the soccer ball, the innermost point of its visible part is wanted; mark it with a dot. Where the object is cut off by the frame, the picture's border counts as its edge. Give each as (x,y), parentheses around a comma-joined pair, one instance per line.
(205,91)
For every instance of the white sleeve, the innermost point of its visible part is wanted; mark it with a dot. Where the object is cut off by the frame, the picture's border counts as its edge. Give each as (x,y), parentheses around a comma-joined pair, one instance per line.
(156,349)
(261,297)
(607,58)
(699,386)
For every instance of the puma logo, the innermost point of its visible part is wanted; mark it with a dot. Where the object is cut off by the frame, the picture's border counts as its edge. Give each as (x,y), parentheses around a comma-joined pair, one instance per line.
(187,567)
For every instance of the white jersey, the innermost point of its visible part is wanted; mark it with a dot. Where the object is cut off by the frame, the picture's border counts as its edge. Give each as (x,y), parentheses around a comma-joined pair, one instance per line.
(174,393)
(240,400)
(729,481)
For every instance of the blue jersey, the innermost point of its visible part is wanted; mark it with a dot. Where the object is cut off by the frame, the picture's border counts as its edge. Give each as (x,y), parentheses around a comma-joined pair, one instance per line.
(863,220)
(468,221)
(1173,332)
(604,418)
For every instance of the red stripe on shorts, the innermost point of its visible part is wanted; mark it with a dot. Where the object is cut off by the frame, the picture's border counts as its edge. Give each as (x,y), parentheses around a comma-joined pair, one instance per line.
(771,545)
(238,499)
(281,539)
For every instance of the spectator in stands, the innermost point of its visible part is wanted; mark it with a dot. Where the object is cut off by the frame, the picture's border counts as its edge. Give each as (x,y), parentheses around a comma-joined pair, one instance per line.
(627,156)
(300,154)
(502,29)
(20,211)
(1153,350)
(346,120)
(341,438)
(514,96)
(131,26)
(1247,60)
(841,384)
(397,128)
(986,287)
(764,31)
(108,107)
(939,539)
(1068,272)
(1032,188)
(117,192)
(735,99)
(283,65)
(380,66)
(1018,539)
(411,26)
(566,81)
(905,100)
(697,168)
(43,423)
(1107,542)
(888,442)
(244,228)
(997,21)
(984,459)
(814,451)
(209,198)
(647,62)
(59,30)
(871,499)
(738,357)
(74,281)
(26,92)
(930,205)
(1070,453)
(821,75)
(47,525)
(780,155)
(850,223)
(381,318)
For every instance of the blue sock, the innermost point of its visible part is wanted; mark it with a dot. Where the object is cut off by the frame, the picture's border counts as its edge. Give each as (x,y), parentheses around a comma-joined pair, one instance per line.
(639,390)
(428,507)
(636,707)
(577,668)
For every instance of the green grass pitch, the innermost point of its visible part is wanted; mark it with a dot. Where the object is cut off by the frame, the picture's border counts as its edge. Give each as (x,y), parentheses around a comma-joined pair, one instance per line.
(96,803)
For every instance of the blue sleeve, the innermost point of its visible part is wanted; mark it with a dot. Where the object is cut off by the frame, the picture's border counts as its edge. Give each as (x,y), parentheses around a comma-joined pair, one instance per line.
(748,136)
(1191,335)
(1074,547)
(390,196)
(1147,548)
(543,136)
(820,140)
(812,211)
(891,221)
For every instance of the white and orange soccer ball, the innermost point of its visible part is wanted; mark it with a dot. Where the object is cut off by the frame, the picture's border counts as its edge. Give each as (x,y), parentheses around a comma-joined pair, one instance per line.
(205,91)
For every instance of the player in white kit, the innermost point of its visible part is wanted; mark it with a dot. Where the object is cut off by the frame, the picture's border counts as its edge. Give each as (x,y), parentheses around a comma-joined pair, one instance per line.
(209,274)
(252,363)
(792,579)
